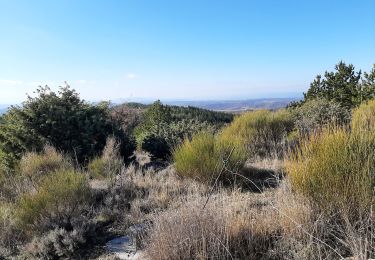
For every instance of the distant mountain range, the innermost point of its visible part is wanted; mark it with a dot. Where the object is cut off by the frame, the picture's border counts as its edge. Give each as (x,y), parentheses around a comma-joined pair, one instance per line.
(217,105)
(237,105)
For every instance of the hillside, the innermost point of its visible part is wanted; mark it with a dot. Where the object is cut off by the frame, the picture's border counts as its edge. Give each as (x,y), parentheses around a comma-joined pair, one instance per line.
(237,105)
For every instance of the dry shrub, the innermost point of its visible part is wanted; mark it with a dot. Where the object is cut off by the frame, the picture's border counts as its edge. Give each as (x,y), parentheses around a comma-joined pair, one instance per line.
(60,243)
(9,237)
(206,155)
(232,226)
(110,162)
(136,193)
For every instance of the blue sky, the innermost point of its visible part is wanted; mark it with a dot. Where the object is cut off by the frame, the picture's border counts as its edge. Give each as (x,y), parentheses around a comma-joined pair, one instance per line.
(184,49)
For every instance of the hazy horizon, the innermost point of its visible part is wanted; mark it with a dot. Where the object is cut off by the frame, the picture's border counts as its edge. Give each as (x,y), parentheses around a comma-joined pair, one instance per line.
(185,50)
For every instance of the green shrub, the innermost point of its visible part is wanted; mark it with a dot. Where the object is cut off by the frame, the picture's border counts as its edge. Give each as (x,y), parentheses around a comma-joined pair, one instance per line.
(157,146)
(34,166)
(61,201)
(206,155)
(262,132)
(335,169)
(63,120)
(160,140)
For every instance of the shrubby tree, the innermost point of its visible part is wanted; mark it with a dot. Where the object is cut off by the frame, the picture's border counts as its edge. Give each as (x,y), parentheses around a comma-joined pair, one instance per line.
(64,121)
(315,113)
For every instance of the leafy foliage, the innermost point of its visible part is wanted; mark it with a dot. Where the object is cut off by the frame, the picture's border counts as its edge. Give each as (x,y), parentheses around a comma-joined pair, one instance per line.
(344,86)
(63,120)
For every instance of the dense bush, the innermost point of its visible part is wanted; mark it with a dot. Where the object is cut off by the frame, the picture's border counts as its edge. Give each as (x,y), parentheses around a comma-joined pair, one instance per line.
(61,201)
(262,132)
(156,145)
(206,155)
(161,142)
(335,167)
(63,120)
(316,113)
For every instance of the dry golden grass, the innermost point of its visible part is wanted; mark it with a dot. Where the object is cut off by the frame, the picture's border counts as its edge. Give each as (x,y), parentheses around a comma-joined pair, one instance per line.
(233,225)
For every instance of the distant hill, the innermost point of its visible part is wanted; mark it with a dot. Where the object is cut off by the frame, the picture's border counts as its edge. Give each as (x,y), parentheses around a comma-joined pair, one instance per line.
(3,109)
(237,105)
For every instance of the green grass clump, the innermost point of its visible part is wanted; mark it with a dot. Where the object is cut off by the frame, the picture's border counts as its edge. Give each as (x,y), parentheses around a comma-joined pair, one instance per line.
(363,118)
(35,166)
(335,168)
(203,157)
(263,132)
(57,203)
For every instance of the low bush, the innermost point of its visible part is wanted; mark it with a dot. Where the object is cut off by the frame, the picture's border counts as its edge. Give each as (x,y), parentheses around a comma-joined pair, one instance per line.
(206,155)
(335,170)
(60,243)
(109,164)
(34,166)
(317,113)
(263,132)
(61,201)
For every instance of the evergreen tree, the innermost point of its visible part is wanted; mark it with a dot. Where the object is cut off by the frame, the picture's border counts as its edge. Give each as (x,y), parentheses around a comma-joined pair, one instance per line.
(342,86)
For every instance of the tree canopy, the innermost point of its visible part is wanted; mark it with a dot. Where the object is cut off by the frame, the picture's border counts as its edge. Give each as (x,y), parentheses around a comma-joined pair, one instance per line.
(62,120)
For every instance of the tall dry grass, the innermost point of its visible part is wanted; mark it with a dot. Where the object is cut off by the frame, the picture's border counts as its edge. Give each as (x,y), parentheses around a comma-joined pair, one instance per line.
(234,225)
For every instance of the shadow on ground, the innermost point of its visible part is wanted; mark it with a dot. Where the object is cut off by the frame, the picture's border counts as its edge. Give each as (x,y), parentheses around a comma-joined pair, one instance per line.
(257,179)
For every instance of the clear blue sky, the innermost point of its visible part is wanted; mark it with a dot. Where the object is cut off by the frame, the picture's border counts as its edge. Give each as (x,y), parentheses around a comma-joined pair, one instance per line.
(189,49)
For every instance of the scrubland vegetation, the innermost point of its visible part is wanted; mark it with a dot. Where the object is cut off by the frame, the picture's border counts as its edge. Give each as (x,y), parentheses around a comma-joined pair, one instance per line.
(296,183)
